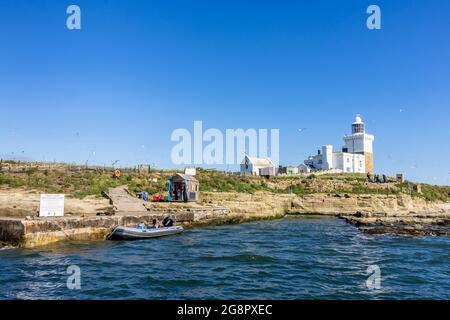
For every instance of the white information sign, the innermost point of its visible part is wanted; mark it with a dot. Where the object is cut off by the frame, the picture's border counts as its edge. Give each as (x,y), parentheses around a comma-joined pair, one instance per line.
(52,205)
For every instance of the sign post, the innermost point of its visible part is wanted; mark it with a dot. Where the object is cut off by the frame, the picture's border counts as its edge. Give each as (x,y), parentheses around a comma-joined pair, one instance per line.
(52,205)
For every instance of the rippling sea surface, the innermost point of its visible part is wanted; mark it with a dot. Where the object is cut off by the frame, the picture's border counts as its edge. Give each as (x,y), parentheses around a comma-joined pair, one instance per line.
(292,258)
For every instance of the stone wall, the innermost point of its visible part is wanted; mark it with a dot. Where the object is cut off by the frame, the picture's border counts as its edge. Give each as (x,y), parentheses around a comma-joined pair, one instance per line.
(262,203)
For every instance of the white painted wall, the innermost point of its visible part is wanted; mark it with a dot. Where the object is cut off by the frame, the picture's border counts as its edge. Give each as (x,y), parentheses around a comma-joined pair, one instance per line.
(316,161)
(303,168)
(254,170)
(359,142)
(368,143)
(349,162)
(327,152)
(292,170)
(247,169)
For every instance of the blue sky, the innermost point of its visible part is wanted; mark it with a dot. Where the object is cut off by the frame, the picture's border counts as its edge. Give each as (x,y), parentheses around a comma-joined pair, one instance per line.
(137,70)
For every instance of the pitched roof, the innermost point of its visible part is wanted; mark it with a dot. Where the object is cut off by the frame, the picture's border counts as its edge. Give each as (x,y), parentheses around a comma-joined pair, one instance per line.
(184,177)
(259,162)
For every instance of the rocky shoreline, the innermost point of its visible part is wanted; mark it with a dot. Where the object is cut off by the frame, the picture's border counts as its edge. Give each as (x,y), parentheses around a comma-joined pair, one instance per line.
(429,223)
(372,214)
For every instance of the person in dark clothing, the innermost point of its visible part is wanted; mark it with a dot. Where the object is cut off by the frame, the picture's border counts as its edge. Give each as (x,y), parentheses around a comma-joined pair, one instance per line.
(185,196)
(154,221)
(377,178)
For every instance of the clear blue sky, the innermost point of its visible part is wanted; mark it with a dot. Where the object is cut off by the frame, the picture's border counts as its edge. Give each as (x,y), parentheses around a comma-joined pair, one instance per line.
(137,70)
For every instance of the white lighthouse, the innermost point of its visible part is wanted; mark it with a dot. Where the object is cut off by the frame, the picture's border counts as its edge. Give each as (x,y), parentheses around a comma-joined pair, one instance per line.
(356,155)
(360,142)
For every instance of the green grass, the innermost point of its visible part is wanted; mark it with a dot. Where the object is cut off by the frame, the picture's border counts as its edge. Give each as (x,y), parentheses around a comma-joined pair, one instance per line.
(436,193)
(430,193)
(298,189)
(94,182)
(78,184)
(211,180)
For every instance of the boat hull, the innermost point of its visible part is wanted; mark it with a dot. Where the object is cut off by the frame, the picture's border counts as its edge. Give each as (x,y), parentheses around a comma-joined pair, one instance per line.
(126,233)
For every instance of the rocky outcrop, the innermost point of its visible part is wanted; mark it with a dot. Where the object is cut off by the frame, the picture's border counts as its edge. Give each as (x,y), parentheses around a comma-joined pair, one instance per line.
(337,204)
(370,213)
(327,204)
(401,214)
(257,204)
(433,221)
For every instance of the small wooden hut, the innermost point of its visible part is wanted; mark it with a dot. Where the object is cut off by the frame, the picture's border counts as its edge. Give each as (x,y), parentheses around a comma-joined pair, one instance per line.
(183,187)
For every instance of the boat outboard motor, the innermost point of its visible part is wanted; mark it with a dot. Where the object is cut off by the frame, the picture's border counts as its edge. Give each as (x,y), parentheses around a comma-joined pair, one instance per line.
(169,223)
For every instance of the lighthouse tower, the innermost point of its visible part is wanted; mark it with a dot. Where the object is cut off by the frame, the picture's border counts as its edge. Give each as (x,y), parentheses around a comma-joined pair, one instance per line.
(360,142)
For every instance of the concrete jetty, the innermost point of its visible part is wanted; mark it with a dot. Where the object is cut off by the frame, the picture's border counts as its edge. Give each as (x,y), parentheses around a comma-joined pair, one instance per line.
(34,232)
(128,210)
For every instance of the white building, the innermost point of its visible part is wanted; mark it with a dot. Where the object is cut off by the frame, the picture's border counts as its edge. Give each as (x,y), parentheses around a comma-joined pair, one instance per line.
(356,155)
(257,166)
(290,170)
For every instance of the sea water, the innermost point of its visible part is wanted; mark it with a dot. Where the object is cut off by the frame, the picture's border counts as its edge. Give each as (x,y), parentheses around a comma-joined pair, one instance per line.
(291,258)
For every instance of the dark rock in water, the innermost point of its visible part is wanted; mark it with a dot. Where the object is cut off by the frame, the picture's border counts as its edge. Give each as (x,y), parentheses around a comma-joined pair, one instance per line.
(382,223)
(406,229)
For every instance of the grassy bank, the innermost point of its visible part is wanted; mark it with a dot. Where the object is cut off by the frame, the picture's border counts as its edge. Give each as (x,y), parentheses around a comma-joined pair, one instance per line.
(78,184)
(83,182)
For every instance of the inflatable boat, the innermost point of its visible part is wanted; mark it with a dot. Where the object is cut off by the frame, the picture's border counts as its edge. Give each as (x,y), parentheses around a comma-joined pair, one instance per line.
(127,233)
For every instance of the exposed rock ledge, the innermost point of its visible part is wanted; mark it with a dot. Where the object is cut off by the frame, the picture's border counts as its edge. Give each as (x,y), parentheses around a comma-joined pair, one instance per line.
(373,214)
(435,221)
(327,204)
(377,214)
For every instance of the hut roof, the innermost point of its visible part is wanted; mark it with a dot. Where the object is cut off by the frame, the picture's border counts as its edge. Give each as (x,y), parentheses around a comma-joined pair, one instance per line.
(260,162)
(180,176)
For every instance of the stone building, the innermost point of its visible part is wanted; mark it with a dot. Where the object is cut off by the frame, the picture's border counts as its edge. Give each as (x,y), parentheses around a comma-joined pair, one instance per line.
(356,155)
(257,166)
